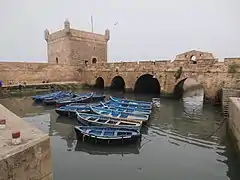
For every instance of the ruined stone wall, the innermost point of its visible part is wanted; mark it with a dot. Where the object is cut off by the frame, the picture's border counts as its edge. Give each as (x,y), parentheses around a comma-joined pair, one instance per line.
(36,72)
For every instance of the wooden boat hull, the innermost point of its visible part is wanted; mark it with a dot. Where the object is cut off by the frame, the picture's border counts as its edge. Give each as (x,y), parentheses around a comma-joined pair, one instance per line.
(128,101)
(128,104)
(52,101)
(97,120)
(97,98)
(66,111)
(115,106)
(119,115)
(88,137)
(79,99)
(40,98)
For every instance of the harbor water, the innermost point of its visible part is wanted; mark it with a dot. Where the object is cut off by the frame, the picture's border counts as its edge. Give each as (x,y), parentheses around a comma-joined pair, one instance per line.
(184,140)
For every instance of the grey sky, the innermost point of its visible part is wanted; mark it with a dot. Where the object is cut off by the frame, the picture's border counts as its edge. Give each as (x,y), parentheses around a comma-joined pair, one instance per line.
(147,29)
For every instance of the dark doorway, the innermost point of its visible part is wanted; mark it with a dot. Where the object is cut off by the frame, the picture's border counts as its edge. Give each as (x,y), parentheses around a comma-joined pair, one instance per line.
(56,60)
(147,84)
(99,83)
(118,84)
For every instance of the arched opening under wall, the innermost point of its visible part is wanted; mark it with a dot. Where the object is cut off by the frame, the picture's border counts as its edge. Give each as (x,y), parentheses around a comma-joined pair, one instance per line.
(147,84)
(118,84)
(99,83)
(188,87)
(191,94)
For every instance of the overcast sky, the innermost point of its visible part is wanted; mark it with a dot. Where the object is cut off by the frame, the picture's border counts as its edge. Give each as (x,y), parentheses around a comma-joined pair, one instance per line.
(146,29)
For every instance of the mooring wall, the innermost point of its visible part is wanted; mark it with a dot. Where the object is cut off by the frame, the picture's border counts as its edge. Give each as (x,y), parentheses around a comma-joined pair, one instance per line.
(234,121)
(31,159)
(36,72)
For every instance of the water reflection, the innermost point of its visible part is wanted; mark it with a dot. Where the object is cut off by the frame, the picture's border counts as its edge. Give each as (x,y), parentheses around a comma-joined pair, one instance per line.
(106,150)
(193,105)
(175,140)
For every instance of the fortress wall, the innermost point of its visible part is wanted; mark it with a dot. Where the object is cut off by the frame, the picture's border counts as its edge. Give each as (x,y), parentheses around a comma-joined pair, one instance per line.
(157,66)
(36,72)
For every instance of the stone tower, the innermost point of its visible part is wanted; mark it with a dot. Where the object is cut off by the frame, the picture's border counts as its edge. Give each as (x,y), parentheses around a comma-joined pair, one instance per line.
(75,47)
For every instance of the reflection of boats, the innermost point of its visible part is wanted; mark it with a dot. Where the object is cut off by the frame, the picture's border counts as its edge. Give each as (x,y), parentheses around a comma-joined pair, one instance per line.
(98,120)
(103,150)
(120,115)
(107,135)
(127,102)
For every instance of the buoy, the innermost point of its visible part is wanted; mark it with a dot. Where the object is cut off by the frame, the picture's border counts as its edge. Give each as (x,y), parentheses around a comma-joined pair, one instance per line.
(2,123)
(16,138)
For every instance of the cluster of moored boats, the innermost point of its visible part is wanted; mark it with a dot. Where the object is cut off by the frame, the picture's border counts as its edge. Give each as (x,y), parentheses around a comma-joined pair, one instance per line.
(116,121)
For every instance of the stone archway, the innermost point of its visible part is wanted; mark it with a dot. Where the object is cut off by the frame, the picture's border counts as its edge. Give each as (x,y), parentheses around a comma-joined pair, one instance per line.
(147,84)
(99,83)
(188,85)
(118,84)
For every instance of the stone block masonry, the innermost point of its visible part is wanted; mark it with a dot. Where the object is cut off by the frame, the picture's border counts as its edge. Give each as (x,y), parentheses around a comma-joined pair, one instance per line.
(234,122)
(31,159)
(36,72)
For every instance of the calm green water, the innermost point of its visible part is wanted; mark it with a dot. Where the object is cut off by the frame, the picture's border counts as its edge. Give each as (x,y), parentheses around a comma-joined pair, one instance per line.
(176,145)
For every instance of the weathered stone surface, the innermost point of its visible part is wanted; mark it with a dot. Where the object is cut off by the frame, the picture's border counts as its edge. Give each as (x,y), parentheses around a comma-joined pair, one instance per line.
(36,72)
(29,160)
(74,47)
(234,121)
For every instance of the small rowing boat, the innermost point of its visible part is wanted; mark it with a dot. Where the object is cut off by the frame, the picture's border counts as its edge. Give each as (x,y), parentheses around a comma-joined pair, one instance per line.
(119,115)
(40,98)
(107,135)
(97,97)
(52,100)
(98,120)
(132,103)
(118,107)
(79,99)
(70,109)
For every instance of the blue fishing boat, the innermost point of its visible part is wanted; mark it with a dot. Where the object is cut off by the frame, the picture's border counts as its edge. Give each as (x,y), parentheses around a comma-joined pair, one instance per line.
(107,135)
(132,103)
(118,107)
(128,101)
(97,97)
(120,115)
(70,109)
(78,99)
(52,100)
(41,97)
(98,120)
